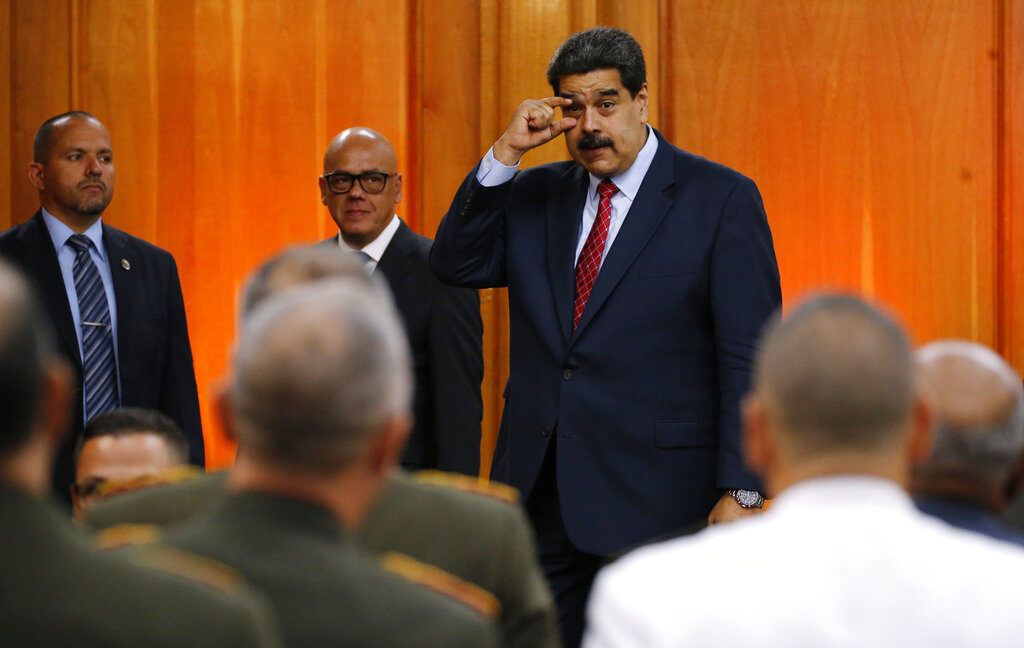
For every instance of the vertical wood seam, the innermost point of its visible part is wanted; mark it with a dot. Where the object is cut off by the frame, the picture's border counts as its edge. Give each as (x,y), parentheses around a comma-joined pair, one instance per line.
(1002,225)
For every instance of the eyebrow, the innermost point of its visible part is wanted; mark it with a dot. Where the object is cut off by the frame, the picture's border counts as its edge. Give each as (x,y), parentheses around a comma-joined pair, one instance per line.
(607,92)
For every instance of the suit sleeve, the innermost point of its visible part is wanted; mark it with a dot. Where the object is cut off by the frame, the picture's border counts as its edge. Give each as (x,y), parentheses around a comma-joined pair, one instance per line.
(179,397)
(745,292)
(457,368)
(469,247)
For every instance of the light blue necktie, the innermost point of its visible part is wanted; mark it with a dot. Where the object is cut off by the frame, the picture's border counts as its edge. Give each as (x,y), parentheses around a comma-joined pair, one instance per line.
(99,367)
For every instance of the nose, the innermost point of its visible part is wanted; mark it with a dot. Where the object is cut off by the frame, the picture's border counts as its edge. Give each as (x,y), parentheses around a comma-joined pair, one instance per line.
(94,167)
(590,121)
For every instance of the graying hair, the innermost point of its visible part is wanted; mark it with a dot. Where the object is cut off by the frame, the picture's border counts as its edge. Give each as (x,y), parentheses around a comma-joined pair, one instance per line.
(984,451)
(317,370)
(840,374)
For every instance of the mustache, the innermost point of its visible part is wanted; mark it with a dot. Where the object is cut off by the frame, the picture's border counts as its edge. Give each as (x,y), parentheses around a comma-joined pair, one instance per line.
(592,141)
(96,181)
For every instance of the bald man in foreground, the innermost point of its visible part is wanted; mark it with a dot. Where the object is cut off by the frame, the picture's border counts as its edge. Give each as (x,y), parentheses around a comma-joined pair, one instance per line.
(842,558)
(361,187)
(976,403)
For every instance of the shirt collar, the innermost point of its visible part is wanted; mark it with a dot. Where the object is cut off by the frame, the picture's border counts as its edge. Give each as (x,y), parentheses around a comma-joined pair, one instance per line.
(629,180)
(60,233)
(375,249)
(843,490)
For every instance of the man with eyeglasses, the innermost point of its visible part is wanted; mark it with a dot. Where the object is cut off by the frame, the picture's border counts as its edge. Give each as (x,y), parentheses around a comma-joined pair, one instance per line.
(360,187)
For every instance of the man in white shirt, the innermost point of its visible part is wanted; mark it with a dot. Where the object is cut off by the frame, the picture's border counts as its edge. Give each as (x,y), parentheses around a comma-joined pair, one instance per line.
(842,558)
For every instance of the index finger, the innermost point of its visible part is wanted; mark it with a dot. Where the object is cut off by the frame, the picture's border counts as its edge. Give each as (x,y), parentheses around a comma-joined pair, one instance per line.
(555,102)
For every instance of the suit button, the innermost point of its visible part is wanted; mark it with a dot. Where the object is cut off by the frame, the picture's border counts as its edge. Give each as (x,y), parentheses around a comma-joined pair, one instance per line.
(545,431)
(567,374)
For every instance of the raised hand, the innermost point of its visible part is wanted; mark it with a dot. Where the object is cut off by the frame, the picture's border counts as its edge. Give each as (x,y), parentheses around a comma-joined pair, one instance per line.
(533,123)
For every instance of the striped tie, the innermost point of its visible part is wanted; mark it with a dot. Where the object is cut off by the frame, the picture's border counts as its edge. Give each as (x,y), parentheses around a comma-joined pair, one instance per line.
(98,364)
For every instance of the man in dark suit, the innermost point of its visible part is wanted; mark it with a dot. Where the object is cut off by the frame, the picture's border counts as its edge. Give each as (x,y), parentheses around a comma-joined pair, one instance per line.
(115,300)
(360,187)
(57,590)
(621,420)
(976,406)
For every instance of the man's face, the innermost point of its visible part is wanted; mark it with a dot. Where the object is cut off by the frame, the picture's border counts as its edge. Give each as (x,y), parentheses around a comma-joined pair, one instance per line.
(76,181)
(361,216)
(610,128)
(119,458)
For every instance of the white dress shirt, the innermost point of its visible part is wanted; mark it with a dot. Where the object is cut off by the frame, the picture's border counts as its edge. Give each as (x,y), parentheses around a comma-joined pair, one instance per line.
(492,173)
(836,562)
(375,248)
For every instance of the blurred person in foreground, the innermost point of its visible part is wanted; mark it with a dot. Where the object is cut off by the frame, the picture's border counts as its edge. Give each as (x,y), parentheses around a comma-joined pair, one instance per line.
(477,533)
(976,406)
(57,590)
(842,558)
(319,400)
(123,450)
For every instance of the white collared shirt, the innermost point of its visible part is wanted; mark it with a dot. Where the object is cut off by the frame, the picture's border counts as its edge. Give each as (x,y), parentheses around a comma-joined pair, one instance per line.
(836,561)
(375,248)
(492,173)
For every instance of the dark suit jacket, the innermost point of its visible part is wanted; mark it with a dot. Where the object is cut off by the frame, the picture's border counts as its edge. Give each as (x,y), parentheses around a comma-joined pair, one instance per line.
(154,355)
(446,339)
(645,396)
(969,516)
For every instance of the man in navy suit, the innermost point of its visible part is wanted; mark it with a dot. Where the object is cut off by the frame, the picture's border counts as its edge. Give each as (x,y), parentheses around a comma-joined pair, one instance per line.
(115,300)
(638,276)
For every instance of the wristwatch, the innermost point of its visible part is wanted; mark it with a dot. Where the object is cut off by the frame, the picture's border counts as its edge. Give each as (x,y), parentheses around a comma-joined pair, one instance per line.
(746,498)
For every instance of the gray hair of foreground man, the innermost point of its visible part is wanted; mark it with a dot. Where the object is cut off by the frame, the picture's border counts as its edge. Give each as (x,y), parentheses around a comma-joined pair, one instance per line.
(977,404)
(302,264)
(26,348)
(318,370)
(837,374)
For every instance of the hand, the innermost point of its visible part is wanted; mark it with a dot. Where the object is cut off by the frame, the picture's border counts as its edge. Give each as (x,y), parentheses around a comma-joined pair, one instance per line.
(532,124)
(729,510)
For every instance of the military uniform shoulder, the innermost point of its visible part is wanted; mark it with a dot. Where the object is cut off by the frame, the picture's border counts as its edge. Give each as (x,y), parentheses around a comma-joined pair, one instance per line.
(174,475)
(191,567)
(467,484)
(442,582)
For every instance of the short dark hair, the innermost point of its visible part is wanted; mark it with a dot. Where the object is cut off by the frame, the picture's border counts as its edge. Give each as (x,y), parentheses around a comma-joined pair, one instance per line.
(135,420)
(26,346)
(839,372)
(44,136)
(298,265)
(600,48)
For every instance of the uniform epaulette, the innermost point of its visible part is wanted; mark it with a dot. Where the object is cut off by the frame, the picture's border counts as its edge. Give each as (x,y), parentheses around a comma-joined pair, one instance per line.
(169,476)
(442,582)
(199,569)
(480,486)
(127,535)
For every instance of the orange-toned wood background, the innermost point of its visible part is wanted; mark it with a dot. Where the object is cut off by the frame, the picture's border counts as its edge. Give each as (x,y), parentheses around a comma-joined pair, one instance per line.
(886,137)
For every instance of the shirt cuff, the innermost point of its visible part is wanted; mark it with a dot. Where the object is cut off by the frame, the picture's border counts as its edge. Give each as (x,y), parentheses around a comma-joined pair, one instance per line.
(492,172)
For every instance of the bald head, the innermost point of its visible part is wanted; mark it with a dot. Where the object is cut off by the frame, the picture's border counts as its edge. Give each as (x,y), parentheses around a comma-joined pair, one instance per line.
(361,185)
(361,138)
(836,375)
(976,403)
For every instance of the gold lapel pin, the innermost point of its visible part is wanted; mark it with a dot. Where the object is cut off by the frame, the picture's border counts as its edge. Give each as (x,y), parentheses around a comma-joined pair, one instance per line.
(125,264)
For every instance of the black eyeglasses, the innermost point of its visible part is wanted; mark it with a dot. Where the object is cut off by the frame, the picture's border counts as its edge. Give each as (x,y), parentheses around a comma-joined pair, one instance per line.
(372,182)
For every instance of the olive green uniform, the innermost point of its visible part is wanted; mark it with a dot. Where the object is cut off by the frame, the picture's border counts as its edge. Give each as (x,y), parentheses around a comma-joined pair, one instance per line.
(323,588)
(480,539)
(57,590)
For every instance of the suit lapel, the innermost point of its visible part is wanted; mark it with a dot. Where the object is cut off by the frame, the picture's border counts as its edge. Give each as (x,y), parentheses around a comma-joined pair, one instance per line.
(41,259)
(397,260)
(565,209)
(126,285)
(653,201)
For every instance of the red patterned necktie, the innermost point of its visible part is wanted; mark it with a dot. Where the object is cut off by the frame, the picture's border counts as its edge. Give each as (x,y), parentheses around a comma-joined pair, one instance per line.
(590,257)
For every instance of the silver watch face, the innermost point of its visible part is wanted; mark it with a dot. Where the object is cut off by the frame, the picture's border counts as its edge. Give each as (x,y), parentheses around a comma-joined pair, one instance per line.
(747,498)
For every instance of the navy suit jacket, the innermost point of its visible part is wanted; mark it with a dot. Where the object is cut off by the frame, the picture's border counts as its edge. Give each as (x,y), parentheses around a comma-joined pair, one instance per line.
(645,395)
(445,335)
(154,355)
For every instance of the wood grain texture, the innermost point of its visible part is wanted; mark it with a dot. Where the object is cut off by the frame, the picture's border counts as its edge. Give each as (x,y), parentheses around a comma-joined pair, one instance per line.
(886,137)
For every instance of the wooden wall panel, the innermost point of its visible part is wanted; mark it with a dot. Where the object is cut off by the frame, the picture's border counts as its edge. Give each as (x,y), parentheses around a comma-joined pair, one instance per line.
(886,137)
(868,127)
